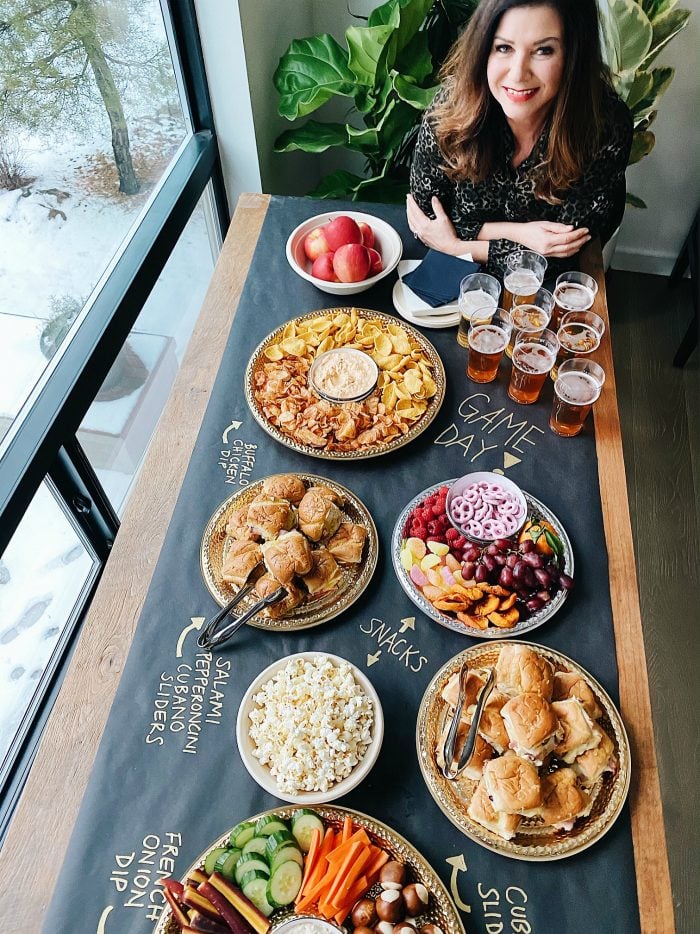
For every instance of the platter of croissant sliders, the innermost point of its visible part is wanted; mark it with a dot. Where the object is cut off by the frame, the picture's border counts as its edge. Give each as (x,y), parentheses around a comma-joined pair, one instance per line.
(551,766)
(304,533)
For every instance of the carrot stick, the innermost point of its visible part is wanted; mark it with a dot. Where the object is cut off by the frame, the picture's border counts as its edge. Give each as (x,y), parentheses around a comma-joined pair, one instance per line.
(339,851)
(343,869)
(347,829)
(374,867)
(321,866)
(356,870)
(311,857)
(359,888)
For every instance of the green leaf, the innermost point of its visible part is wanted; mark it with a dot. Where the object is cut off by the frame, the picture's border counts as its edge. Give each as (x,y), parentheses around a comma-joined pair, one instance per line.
(309,73)
(366,47)
(627,34)
(554,543)
(642,144)
(340,184)
(312,137)
(363,140)
(406,16)
(664,28)
(415,61)
(634,201)
(420,98)
(641,86)
(654,8)
(660,80)
(646,121)
(399,119)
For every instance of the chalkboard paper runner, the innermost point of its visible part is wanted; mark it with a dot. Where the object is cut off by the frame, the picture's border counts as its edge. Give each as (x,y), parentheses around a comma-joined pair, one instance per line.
(167,777)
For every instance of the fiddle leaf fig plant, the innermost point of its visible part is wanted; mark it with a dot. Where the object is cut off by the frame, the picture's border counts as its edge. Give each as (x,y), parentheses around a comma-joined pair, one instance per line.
(389,71)
(634,32)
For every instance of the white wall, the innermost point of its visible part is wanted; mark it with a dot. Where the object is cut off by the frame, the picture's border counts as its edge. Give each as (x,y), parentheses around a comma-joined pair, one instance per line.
(668,179)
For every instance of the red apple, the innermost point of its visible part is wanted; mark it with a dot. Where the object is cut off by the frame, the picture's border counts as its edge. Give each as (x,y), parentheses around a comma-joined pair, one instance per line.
(323,268)
(340,231)
(315,244)
(375,260)
(351,262)
(367,235)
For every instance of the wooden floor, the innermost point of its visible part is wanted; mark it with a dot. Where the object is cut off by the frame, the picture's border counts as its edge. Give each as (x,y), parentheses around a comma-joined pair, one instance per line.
(660,432)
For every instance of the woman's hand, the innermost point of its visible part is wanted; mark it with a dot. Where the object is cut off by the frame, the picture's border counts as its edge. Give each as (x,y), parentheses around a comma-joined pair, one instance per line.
(552,239)
(438,234)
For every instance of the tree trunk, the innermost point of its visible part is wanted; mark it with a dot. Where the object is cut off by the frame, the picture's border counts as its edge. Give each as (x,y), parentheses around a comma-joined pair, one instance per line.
(128,182)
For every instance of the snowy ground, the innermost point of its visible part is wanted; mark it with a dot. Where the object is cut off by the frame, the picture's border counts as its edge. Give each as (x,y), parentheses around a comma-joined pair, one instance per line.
(56,238)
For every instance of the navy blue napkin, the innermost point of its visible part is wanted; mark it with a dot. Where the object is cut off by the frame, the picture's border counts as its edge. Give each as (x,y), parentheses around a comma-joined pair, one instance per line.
(437,278)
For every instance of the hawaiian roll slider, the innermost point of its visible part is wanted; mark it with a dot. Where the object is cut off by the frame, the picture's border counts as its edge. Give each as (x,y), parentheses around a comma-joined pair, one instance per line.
(520,670)
(532,726)
(483,752)
(237,526)
(513,785)
(450,692)
(333,495)
(570,684)
(269,517)
(592,765)
(492,727)
(318,516)
(562,800)
(483,812)
(267,585)
(347,543)
(284,486)
(288,555)
(239,561)
(325,575)
(577,728)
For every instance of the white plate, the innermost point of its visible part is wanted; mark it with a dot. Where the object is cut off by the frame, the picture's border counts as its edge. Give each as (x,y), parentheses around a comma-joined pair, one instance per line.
(414,309)
(261,773)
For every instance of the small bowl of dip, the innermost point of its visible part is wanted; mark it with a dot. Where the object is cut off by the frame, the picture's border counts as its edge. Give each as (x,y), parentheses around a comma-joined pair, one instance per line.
(306,924)
(343,375)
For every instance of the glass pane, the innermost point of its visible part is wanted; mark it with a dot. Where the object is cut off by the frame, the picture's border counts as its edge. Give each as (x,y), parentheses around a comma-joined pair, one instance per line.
(43,573)
(118,427)
(90,118)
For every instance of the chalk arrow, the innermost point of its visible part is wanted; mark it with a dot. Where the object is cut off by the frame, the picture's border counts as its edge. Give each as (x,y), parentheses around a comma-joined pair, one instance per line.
(232,427)
(371,659)
(510,460)
(103,919)
(197,623)
(408,623)
(458,864)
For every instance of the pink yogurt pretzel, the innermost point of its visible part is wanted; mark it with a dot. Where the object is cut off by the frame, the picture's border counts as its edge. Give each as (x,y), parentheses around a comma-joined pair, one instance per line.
(486,510)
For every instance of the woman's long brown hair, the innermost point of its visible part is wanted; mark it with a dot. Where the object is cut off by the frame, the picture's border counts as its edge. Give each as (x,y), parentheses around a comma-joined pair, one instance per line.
(466,119)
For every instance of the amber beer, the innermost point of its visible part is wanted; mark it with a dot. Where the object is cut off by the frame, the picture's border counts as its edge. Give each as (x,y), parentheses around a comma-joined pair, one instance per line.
(477,292)
(487,341)
(523,276)
(574,291)
(576,388)
(579,334)
(533,358)
(526,318)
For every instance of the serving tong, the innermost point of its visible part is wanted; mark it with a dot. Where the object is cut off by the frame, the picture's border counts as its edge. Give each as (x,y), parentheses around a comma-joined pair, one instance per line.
(212,636)
(449,770)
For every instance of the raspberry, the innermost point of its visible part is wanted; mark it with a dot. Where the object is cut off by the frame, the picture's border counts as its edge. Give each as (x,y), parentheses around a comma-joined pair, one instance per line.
(433,527)
(459,542)
(426,514)
(451,535)
(443,491)
(421,530)
(435,538)
(437,509)
(444,522)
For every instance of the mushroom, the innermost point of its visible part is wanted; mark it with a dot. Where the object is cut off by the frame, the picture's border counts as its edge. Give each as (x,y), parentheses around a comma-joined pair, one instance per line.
(392,875)
(364,914)
(415,898)
(389,905)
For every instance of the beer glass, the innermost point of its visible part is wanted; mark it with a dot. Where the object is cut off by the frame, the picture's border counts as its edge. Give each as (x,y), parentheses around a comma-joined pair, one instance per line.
(524,274)
(574,291)
(487,338)
(576,388)
(533,357)
(579,334)
(475,292)
(533,315)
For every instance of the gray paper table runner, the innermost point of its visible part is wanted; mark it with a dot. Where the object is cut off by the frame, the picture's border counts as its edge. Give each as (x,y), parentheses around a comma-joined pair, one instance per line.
(168,778)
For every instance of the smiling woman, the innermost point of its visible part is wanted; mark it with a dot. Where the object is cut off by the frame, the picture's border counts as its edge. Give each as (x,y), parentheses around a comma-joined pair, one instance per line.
(526,143)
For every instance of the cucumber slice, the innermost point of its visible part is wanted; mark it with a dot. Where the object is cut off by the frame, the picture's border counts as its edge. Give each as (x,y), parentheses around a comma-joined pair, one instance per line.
(227,862)
(210,861)
(277,839)
(269,824)
(284,854)
(250,862)
(241,833)
(304,822)
(254,887)
(256,845)
(284,884)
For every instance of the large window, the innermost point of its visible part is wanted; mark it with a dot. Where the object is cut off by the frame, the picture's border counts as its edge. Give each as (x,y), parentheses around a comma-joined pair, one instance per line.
(110,185)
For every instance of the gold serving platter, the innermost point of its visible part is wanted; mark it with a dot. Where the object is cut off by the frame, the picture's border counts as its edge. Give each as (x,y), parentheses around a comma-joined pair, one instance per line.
(314,611)
(441,910)
(351,450)
(533,843)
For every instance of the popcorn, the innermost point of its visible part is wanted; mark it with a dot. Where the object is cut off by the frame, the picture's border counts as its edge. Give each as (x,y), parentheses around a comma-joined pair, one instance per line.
(312,724)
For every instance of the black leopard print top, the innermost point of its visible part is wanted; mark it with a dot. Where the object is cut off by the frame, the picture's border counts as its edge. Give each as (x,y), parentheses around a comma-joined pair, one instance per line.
(596,201)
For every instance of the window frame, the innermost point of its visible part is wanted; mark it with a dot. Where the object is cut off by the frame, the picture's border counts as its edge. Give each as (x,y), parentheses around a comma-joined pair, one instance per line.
(41,443)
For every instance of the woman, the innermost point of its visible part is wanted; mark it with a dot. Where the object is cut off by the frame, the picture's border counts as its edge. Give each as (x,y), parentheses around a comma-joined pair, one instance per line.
(526,143)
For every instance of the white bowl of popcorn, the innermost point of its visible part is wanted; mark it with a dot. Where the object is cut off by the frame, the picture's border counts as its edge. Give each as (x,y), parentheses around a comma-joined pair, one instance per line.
(310,728)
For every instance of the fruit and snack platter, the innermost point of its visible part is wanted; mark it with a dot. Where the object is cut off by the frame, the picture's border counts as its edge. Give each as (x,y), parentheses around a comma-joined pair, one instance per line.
(306,533)
(324,865)
(409,391)
(343,250)
(551,767)
(502,588)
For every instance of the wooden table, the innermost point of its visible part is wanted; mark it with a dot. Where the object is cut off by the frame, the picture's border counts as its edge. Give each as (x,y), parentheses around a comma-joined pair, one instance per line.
(39,833)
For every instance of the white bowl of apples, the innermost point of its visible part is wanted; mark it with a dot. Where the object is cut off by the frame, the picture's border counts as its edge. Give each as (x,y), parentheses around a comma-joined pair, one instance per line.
(344,252)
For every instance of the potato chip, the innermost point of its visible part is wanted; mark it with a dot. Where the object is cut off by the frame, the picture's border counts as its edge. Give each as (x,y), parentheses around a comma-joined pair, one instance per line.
(412,382)
(274,352)
(289,330)
(294,346)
